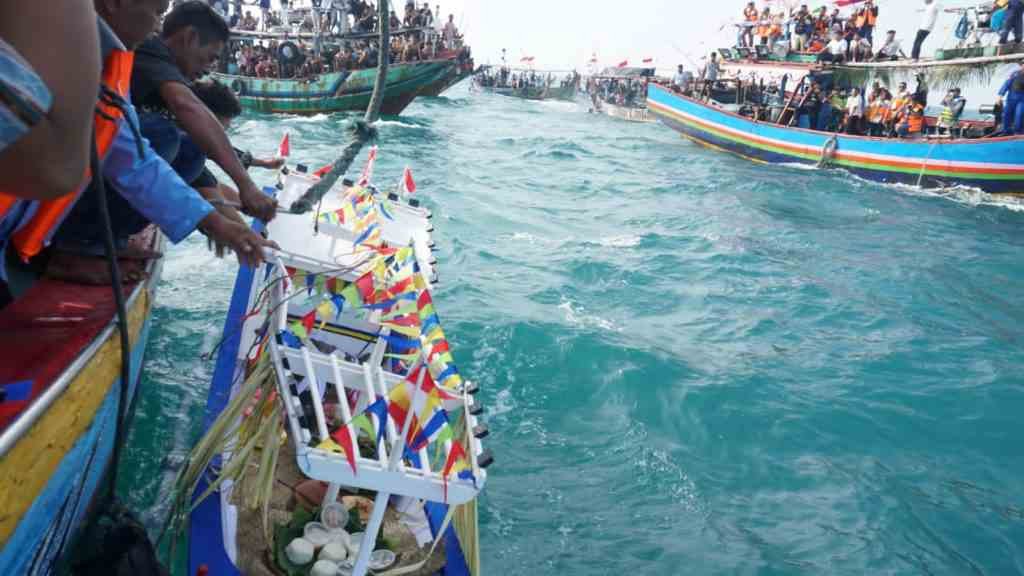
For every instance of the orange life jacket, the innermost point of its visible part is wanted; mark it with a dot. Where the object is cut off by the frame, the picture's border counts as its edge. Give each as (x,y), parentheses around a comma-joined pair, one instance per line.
(36,234)
(915,119)
(763,28)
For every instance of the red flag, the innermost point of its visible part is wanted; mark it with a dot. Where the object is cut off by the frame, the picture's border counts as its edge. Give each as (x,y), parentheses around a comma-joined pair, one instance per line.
(623,64)
(648,60)
(527,59)
(368,170)
(285,149)
(320,173)
(344,439)
(309,320)
(408,184)
(454,455)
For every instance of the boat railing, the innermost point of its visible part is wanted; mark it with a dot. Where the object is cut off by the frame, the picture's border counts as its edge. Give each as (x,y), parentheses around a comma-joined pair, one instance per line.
(382,467)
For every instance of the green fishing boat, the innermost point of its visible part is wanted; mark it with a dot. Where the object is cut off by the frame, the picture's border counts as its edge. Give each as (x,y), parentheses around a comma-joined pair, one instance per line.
(337,91)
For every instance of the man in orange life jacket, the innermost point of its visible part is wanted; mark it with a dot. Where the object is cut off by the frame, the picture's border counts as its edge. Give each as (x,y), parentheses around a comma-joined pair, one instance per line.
(46,107)
(143,187)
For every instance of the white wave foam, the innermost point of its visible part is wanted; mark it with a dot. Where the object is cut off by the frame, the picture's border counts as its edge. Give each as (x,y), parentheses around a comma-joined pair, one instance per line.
(577,316)
(625,241)
(394,123)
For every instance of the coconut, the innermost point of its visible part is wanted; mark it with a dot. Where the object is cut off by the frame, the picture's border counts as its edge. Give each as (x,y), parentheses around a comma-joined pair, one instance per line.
(324,568)
(300,552)
(335,551)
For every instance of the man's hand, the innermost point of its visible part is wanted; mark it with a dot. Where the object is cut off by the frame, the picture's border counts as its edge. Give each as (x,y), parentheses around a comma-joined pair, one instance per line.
(256,203)
(247,245)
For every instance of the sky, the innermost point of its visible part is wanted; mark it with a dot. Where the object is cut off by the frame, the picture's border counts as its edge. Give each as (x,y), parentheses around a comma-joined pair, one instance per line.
(563,34)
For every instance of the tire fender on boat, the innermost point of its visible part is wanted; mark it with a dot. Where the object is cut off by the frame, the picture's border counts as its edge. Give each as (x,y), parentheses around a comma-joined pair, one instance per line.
(238,87)
(828,151)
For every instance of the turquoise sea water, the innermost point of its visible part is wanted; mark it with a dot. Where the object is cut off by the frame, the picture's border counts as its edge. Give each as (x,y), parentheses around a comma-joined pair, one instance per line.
(692,364)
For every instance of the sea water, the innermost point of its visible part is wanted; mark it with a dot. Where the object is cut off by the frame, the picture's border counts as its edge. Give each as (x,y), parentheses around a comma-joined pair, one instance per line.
(691,364)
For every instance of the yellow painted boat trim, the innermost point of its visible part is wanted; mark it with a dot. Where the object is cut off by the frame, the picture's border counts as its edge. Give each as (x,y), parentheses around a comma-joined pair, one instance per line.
(28,465)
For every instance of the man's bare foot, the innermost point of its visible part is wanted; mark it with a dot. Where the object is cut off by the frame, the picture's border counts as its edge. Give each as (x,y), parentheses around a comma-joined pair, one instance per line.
(92,270)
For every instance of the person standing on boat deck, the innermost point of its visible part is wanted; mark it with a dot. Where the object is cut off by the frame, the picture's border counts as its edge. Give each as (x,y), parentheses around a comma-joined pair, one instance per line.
(177,124)
(750,19)
(931,13)
(867,17)
(1014,21)
(1013,108)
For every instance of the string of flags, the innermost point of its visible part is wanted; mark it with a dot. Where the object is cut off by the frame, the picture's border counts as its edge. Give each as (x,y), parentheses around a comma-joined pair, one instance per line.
(394,287)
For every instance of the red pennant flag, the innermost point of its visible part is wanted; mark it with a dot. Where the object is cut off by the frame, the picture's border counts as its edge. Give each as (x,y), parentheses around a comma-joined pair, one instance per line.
(321,172)
(331,285)
(527,59)
(623,64)
(365,286)
(408,184)
(344,439)
(454,455)
(368,170)
(648,60)
(309,320)
(285,149)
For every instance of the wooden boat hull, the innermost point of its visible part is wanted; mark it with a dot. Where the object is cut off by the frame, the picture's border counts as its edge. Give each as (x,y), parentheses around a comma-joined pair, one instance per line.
(992,165)
(338,91)
(563,93)
(626,113)
(56,451)
(454,76)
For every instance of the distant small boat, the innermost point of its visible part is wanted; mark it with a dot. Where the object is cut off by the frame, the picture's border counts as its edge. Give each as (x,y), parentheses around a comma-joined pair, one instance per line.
(539,86)
(60,382)
(634,78)
(993,165)
(338,91)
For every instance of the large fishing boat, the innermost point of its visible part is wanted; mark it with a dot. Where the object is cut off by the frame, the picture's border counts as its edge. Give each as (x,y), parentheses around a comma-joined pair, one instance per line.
(344,308)
(338,91)
(60,404)
(990,164)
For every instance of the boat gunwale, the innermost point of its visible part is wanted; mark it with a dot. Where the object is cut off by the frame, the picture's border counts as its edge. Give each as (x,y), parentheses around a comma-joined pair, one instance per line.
(934,141)
(24,422)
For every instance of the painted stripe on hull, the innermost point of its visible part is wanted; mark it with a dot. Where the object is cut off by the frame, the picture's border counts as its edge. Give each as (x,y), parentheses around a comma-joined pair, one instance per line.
(720,130)
(47,528)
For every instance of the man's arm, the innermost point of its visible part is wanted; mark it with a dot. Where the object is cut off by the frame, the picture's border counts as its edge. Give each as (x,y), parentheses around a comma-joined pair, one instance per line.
(59,39)
(153,188)
(196,119)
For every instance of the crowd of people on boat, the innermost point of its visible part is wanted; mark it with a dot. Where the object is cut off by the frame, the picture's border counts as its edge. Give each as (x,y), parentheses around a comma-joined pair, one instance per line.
(505,77)
(627,92)
(297,59)
(851,37)
(141,146)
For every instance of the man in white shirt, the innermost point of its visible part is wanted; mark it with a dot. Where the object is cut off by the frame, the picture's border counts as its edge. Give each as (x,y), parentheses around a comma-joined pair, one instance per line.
(931,13)
(679,81)
(891,50)
(836,49)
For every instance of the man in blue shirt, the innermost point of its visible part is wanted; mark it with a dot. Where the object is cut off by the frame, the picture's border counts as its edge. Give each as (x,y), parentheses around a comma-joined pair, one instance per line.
(147,187)
(1014,21)
(1013,107)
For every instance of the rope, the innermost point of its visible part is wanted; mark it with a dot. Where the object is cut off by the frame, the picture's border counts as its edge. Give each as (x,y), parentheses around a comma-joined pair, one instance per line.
(100,191)
(924,164)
